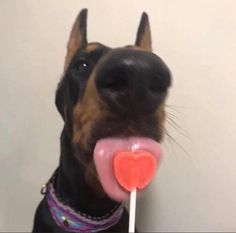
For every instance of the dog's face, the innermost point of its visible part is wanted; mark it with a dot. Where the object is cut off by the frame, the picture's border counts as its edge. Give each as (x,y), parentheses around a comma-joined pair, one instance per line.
(109,92)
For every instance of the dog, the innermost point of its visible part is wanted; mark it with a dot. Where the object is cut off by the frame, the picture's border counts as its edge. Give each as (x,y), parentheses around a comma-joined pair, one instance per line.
(104,93)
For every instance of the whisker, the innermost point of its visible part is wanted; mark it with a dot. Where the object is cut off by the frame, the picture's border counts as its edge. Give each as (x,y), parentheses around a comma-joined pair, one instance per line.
(169,140)
(178,127)
(174,110)
(181,147)
(175,106)
(173,115)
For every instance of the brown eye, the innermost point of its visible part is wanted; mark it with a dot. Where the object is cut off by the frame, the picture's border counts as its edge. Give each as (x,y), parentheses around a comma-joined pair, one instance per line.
(82,66)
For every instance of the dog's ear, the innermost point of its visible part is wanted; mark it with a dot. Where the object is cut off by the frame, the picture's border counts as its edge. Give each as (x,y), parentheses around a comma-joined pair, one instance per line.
(78,36)
(77,40)
(143,38)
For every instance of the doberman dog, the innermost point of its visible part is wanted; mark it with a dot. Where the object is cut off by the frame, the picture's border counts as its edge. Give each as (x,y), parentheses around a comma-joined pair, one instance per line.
(104,93)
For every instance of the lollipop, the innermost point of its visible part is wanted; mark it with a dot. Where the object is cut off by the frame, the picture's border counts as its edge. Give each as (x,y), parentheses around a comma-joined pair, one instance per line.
(134,170)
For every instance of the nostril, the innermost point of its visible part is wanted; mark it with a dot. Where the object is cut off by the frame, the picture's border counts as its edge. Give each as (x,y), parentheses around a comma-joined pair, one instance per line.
(158,84)
(114,82)
(154,87)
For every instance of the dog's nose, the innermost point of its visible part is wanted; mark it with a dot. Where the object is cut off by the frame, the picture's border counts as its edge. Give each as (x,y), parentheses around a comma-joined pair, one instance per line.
(134,81)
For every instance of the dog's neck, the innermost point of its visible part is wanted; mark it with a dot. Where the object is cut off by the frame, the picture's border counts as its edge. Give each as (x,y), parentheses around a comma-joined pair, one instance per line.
(71,186)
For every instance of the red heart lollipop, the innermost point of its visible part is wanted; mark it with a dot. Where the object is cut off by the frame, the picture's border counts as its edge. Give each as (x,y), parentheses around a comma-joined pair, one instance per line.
(134,169)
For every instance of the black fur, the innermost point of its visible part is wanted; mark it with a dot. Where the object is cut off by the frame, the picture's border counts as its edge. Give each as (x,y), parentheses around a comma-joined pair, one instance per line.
(71,187)
(70,184)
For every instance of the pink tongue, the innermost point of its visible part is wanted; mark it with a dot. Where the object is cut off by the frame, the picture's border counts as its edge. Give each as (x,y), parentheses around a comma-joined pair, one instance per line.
(103,158)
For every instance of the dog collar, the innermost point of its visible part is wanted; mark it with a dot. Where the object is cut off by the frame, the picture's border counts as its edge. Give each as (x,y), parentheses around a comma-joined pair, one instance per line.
(70,220)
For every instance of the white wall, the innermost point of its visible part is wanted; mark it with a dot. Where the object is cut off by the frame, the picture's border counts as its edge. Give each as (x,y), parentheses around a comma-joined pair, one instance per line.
(197,39)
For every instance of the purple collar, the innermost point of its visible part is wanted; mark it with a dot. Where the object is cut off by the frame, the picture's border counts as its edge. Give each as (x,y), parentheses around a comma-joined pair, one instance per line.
(70,220)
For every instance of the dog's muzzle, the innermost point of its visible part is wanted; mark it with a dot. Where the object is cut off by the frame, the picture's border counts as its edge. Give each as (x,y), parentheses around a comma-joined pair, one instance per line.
(132,81)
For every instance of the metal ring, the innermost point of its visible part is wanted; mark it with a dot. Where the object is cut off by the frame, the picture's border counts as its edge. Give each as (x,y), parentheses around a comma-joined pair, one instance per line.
(65,221)
(43,190)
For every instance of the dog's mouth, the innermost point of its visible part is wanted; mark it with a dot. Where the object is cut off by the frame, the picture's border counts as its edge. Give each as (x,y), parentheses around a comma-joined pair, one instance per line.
(111,135)
(104,152)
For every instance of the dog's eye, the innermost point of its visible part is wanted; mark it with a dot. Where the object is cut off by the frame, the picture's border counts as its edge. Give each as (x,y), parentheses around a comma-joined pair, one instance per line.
(82,66)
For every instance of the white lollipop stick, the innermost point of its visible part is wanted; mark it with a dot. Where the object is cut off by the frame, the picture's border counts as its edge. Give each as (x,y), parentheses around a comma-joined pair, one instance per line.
(132,208)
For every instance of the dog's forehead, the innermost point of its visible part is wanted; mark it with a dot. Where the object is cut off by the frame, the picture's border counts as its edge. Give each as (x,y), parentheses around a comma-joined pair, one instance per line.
(95,46)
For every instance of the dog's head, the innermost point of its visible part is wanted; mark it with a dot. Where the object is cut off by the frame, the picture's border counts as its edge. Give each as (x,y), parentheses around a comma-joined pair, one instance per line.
(109,92)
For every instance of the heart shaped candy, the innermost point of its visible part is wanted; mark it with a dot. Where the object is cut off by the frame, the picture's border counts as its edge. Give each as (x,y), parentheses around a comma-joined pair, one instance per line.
(134,169)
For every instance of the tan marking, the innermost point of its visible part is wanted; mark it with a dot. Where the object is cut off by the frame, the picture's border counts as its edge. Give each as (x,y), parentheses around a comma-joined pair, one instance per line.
(146,41)
(90,174)
(74,43)
(91,178)
(135,48)
(91,47)
(86,113)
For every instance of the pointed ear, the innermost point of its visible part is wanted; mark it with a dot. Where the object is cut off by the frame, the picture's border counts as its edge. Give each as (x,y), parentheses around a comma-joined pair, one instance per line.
(78,36)
(143,38)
